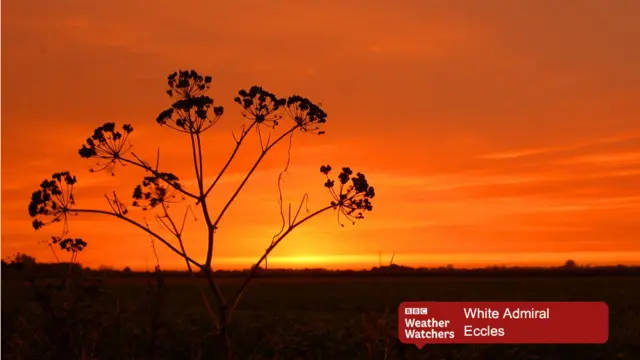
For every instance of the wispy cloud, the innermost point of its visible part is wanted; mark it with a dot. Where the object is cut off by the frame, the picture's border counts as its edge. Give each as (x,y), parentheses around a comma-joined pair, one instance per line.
(524,152)
(610,158)
(620,138)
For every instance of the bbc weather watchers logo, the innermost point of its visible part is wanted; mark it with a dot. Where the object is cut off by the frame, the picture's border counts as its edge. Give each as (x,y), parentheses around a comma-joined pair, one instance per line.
(416,311)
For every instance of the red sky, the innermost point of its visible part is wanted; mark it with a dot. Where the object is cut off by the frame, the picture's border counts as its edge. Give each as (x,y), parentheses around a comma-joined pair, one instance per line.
(494,132)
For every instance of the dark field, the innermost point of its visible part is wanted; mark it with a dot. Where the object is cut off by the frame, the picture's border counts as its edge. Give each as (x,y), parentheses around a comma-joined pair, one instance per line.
(303,318)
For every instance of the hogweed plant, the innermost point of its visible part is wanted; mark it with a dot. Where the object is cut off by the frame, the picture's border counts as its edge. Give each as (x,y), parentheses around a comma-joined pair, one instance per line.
(193,113)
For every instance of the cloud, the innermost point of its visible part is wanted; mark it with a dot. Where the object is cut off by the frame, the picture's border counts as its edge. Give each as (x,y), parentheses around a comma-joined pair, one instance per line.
(610,158)
(518,153)
(593,142)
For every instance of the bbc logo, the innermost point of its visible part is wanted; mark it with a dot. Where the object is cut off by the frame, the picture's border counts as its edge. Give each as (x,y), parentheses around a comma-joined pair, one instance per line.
(416,311)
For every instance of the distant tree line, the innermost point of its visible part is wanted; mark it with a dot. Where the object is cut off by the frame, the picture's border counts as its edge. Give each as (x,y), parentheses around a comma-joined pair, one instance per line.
(26,263)
(23,263)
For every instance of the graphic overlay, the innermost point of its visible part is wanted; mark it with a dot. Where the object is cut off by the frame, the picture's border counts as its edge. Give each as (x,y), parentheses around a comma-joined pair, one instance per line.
(422,323)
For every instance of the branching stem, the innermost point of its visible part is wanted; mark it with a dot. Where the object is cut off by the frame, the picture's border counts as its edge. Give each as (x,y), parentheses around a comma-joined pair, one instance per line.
(245,132)
(142,227)
(251,171)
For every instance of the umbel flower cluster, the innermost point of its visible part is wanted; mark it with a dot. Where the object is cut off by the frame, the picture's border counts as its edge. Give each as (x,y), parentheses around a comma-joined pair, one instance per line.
(352,195)
(54,199)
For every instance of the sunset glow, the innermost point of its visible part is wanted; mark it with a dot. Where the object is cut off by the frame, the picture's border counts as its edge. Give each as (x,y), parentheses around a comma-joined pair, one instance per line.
(489,141)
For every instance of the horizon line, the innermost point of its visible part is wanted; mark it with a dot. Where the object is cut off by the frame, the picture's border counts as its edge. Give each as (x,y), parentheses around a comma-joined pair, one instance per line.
(458,260)
(358,262)
(574,266)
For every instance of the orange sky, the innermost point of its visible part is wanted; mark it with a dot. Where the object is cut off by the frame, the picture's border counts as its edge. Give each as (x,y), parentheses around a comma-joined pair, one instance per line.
(493,131)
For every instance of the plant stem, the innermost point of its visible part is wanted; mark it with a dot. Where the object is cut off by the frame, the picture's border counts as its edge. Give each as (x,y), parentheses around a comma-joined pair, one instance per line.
(254,269)
(140,226)
(233,154)
(196,148)
(246,178)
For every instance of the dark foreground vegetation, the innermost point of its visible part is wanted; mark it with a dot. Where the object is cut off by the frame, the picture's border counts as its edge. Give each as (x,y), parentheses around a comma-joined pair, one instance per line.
(310,314)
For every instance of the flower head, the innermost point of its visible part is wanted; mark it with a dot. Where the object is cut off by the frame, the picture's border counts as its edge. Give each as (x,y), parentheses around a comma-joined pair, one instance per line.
(108,145)
(306,114)
(260,106)
(154,191)
(53,200)
(352,195)
(192,112)
(69,244)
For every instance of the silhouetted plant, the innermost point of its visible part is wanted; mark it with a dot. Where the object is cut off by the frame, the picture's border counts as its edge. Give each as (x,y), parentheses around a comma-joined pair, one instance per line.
(193,113)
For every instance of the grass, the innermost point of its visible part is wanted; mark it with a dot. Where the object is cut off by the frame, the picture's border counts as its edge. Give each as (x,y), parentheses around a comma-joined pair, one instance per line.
(305,318)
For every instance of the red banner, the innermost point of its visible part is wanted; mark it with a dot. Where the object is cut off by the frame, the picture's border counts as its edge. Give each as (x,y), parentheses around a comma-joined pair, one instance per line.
(422,323)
